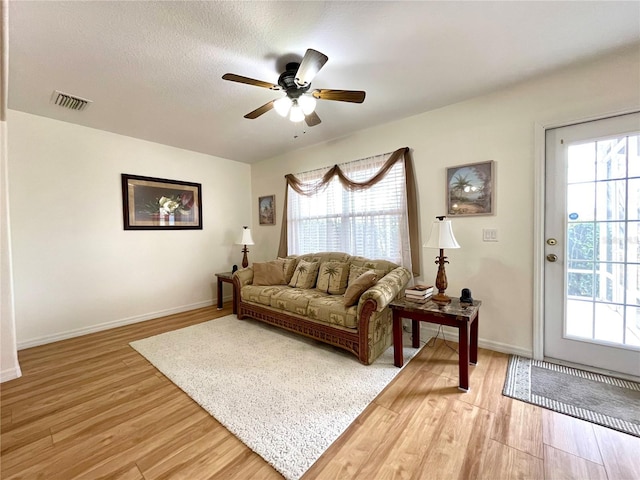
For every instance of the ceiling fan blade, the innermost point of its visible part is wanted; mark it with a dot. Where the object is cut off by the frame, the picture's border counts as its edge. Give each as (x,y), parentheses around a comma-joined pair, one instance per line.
(311,64)
(312,119)
(260,110)
(355,96)
(249,81)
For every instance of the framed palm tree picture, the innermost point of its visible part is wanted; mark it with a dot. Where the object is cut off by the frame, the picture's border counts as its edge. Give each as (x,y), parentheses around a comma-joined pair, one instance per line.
(471,189)
(267,210)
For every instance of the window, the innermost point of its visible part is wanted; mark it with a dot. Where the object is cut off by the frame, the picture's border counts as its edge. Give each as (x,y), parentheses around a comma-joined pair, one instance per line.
(369,221)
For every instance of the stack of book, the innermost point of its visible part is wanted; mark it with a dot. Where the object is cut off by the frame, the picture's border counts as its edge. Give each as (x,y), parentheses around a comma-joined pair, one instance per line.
(419,292)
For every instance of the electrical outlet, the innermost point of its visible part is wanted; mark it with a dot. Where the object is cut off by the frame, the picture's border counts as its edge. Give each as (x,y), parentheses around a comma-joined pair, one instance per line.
(489,234)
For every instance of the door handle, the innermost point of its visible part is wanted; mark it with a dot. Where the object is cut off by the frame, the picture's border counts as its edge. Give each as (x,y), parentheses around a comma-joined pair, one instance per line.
(552,257)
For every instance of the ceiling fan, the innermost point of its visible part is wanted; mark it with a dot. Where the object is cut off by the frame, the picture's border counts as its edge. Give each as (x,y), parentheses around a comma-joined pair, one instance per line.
(298,103)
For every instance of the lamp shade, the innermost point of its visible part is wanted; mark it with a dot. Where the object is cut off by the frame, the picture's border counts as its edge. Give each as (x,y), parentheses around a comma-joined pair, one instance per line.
(307,103)
(296,114)
(441,235)
(246,237)
(282,106)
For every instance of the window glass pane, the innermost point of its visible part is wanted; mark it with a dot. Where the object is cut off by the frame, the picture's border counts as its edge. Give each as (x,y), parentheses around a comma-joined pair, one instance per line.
(609,323)
(610,282)
(632,334)
(580,241)
(612,158)
(633,285)
(581,163)
(579,320)
(634,155)
(580,284)
(633,206)
(633,242)
(611,241)
(581,201)
(611,200)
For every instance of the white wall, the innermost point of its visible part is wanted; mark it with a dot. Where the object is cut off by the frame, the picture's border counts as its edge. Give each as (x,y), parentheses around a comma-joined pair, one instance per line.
(496,127)
(76,269)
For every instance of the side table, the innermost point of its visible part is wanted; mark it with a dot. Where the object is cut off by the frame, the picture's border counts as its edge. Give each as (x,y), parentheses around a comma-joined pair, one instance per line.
(226,277)
(464,317)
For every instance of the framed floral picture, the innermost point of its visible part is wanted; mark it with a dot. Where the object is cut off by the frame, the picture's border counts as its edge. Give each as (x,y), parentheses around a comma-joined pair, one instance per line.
(267,210)
(150,203)
(471,189)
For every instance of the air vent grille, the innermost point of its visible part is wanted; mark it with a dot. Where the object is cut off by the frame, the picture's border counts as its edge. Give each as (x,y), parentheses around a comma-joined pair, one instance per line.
(69,101)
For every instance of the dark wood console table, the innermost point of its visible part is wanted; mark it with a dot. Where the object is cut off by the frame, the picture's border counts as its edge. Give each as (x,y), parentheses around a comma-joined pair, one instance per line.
(225,277)
(464,317)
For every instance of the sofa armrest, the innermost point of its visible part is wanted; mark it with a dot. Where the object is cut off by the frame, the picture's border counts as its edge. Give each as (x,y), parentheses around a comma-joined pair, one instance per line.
(244,276)
(386,289)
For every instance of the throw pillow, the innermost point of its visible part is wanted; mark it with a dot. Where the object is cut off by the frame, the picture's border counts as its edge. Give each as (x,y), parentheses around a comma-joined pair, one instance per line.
(269,273)
(332,277)
(358,287)
(305,275)
(289,268)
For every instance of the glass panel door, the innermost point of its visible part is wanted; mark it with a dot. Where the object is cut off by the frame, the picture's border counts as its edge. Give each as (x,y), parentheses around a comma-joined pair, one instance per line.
(592,288)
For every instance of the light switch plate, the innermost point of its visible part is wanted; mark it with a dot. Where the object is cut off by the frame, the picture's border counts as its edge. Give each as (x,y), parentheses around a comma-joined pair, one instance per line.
(489,234)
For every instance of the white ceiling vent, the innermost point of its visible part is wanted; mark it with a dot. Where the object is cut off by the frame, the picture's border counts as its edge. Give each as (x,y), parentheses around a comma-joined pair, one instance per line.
(69,101)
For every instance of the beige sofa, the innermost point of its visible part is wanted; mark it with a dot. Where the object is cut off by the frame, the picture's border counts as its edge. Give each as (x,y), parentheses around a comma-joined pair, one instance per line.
(363,329)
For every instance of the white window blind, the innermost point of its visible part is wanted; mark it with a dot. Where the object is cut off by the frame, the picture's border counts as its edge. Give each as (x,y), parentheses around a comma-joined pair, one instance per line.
(372,222)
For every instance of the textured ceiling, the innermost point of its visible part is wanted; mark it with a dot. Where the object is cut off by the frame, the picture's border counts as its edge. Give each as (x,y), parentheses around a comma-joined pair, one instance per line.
(153,69)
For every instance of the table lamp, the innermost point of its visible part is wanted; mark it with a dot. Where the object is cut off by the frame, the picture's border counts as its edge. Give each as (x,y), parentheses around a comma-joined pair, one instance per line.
(441,237)
(245,240)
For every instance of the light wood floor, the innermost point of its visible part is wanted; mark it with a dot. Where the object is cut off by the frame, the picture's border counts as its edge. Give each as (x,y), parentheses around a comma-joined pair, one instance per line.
(93,408)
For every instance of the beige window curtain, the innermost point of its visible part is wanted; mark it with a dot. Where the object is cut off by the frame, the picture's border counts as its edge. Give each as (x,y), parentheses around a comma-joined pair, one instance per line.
(315,188)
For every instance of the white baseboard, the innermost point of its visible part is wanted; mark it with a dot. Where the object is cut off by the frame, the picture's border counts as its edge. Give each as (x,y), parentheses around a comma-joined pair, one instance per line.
(10,374)
(429,330)
(34,342)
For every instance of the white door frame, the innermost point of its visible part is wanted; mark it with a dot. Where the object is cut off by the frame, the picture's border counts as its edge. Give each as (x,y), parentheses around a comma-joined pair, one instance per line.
(539,146)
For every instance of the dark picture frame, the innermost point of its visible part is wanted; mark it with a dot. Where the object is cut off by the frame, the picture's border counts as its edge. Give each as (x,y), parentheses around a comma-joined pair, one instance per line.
(470,189)
(150,203)
(267,210)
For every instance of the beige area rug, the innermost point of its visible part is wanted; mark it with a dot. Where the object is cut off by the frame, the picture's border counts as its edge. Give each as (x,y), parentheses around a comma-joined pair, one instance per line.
(288,398)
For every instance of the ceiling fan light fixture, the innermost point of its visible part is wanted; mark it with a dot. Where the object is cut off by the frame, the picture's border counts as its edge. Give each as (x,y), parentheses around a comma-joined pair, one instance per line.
(296,115)
(307,103)
(282,106)
(299,102)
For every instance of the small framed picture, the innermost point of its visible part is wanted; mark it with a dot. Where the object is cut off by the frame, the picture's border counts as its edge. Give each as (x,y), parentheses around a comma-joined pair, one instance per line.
(150,203)
(471,189)
(267,210)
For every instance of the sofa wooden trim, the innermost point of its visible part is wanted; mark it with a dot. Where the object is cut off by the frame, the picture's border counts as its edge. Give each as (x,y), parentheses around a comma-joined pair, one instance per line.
(355,341)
